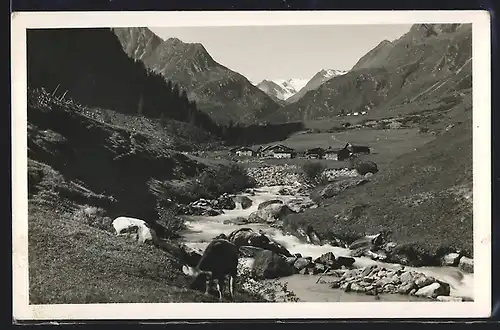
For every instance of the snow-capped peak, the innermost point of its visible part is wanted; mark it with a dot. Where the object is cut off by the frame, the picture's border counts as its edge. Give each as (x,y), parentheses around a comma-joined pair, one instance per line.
(293,85)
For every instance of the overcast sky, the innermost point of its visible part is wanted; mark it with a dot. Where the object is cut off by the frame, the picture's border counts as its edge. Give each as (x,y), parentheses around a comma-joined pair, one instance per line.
(283,52)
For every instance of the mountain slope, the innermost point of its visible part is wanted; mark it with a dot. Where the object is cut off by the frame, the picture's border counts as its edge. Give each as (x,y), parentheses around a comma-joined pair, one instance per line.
(424,197)
(275,91)
(67,63)
(223,94)
(318,79)
(427,64)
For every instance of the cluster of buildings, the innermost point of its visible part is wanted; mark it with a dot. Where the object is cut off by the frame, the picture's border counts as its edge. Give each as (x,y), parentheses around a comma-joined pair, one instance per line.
(282,151)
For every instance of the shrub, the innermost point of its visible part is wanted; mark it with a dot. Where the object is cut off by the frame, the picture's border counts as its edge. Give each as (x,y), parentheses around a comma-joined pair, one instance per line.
(313,172)
(223,179)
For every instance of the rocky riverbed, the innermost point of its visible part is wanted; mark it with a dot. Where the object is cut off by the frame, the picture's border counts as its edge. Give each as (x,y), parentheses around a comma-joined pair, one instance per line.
(359,270)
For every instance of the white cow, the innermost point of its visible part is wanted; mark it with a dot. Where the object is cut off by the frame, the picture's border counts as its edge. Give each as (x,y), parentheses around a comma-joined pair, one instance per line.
(123,223)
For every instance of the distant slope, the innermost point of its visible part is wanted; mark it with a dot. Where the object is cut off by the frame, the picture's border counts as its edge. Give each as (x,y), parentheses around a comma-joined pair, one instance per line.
(423,197)
(427,63)
(223,94)
(316,81)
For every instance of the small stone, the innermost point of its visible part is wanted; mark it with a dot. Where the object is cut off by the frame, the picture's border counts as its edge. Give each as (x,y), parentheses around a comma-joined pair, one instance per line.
(406,277)
(407,287)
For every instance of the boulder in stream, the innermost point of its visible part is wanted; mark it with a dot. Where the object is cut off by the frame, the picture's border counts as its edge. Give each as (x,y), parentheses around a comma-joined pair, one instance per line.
(225,202)
(270,214)
(269,265)
(466,265)
(450,259)
(247,236)
(269,202)
(244,201)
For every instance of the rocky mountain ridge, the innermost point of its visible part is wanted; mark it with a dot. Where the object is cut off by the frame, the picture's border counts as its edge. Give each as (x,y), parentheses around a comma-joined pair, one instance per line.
(429,64)
(222,93)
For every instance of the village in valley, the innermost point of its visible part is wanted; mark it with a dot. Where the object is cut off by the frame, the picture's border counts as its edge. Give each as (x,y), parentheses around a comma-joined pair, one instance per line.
(280,151)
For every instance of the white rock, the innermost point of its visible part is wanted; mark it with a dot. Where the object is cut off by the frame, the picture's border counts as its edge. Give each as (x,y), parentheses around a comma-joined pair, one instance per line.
(433,290)
(451,259)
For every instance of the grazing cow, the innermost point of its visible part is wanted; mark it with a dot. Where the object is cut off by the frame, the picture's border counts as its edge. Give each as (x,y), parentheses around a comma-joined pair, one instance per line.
(219,260)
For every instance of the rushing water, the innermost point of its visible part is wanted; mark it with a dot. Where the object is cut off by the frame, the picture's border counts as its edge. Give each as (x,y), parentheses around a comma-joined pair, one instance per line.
(201,230)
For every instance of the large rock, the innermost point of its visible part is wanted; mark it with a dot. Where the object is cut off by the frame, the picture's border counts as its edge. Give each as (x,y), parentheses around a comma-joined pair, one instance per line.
(327,259)
(244,201)
(309,235)
(301,263)
(299,204)
(450,259)
(270,214)
(224,202)
(335,188)
(466,265)
(434,290)
(345,261)
(268,265)
(366,167)
(269,202)
(248,237)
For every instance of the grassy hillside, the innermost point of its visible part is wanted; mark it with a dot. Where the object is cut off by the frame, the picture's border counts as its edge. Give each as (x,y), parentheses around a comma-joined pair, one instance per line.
(76,162)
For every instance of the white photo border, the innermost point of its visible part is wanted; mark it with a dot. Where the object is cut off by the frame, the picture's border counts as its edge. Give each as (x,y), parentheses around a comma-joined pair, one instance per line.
(481,307)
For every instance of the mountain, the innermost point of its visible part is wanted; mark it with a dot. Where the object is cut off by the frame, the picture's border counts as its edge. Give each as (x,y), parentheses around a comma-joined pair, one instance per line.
(64,61)
(275,91)
(431,64)
(222,93)
(316,81)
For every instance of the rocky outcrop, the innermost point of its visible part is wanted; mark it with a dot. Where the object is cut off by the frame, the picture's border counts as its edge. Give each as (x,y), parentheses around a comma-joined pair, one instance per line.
(332,174)
(220,92)
(374,279)
(335,188)
(300,204)
(269,265)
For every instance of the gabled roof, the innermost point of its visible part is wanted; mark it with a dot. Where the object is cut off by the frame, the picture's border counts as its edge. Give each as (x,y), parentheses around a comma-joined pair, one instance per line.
(276,146)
